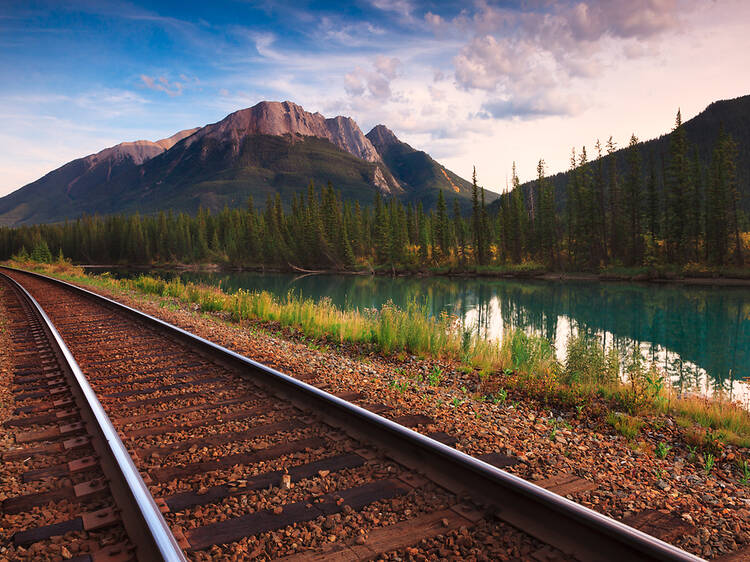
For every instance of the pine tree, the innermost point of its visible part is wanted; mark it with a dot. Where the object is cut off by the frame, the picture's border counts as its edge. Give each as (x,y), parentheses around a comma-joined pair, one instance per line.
(633,203)
(517,226)
(677,185)
(547,220)
(441,226)
(424,230)
(486,235)
(601,217)
(652,206)
(616,211)
(382,231)
(571,207)
(476,229)
(730,155)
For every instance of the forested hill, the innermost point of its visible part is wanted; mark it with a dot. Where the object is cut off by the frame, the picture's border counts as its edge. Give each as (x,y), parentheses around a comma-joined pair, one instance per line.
(702,134)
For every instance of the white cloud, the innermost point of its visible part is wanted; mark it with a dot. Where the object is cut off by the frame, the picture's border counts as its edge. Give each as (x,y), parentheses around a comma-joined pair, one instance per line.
(403,8)
(387,66)
(373,83)
(161,84)
(486,87)
(353,83)
(433,20)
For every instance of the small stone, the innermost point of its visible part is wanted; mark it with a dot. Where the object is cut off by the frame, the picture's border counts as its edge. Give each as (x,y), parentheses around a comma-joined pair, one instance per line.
(65,553)
(323,473)
(445,522)
(278,510)
(361,539)
(286,481)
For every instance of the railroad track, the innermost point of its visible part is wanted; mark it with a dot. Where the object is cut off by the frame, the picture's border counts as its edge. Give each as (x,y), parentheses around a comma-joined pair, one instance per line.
(244,461)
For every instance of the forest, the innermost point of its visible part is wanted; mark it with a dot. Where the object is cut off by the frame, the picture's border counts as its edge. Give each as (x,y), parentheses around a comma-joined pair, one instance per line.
(602,218)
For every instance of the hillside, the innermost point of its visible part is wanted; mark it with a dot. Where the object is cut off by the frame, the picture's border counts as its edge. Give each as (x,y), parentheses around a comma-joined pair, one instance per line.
(268,149)
(702,132)
(416,170)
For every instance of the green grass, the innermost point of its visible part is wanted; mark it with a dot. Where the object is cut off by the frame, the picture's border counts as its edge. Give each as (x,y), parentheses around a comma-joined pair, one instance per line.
(521,362)
(390,330)
(628,426)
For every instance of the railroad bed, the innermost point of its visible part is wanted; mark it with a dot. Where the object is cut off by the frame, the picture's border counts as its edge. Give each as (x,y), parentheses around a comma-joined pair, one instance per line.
(245,462)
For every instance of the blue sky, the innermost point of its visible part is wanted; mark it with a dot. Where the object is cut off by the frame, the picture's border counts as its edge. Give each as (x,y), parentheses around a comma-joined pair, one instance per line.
(487,84)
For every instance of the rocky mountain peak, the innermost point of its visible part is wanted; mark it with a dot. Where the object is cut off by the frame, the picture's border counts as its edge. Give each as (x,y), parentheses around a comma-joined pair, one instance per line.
(169,142)
(138,151)
(381,136)
(346,134)
(287,118)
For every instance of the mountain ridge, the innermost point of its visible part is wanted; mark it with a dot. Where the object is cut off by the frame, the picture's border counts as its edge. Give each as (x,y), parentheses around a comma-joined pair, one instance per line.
(702,132)
(267,149)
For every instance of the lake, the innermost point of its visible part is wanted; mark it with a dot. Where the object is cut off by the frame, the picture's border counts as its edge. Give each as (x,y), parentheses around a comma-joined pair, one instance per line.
(698,335)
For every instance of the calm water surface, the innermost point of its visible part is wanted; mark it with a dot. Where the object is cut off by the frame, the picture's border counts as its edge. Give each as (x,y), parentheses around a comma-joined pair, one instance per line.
(698,335)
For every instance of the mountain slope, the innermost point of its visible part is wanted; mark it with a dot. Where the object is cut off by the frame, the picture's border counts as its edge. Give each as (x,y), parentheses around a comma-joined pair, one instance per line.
(420,175)
(702,133)
(63,193)
(268,149)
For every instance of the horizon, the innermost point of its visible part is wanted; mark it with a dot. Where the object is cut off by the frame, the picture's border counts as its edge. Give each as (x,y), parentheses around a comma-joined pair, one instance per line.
(494,83)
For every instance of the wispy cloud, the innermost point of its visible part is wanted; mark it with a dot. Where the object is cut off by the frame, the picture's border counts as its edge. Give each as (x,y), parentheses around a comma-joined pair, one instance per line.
(161,84)
(470,83)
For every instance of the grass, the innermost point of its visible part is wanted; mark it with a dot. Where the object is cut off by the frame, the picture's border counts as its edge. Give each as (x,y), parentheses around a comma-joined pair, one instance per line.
(390,330)
(628,426)
(662,449)
(693,270)
(521,362)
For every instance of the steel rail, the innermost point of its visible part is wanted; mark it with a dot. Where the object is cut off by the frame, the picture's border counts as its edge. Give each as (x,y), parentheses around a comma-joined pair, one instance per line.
(574,529)
(151,536)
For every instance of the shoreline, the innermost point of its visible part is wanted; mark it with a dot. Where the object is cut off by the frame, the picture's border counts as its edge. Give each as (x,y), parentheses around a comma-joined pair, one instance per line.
(641,278)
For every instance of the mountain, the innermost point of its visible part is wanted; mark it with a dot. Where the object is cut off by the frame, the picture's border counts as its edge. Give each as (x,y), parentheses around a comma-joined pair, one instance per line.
(57,194)
(416,170)
(702,132)
(271,148)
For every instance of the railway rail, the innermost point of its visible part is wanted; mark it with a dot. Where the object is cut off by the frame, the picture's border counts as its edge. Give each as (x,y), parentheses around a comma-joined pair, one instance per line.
(197,452)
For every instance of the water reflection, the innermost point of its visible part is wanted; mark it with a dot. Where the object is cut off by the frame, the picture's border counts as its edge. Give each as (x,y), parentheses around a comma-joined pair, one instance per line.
(699,335)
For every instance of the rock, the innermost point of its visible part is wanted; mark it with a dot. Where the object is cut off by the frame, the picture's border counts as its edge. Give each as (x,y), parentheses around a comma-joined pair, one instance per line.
(286,481)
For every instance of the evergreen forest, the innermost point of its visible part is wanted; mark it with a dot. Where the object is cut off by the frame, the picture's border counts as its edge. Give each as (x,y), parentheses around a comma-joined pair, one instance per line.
(603,217)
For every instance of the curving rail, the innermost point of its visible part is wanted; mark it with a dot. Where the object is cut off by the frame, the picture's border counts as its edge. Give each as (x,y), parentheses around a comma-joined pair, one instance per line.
(577,531)
(141,516)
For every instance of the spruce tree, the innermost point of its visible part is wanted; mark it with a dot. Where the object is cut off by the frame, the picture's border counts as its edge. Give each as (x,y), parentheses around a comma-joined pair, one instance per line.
(633,203)
(441,226)
(677,186)
(476,213)
(652,203)
(517,226)
(547,216)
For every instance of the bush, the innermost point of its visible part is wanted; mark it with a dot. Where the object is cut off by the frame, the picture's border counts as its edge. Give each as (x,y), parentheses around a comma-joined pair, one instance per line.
(588,363)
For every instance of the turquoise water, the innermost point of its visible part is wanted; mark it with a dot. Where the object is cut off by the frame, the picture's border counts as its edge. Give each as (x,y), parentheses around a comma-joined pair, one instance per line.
(698,335)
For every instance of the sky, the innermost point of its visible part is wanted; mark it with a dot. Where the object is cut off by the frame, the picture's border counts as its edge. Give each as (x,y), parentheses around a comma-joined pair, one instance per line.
(481,83)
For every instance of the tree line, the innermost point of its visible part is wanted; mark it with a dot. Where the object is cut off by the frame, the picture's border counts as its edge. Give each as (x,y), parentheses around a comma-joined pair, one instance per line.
(603,217)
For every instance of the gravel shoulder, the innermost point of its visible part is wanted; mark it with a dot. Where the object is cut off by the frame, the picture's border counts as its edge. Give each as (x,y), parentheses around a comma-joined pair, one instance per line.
(704,512)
